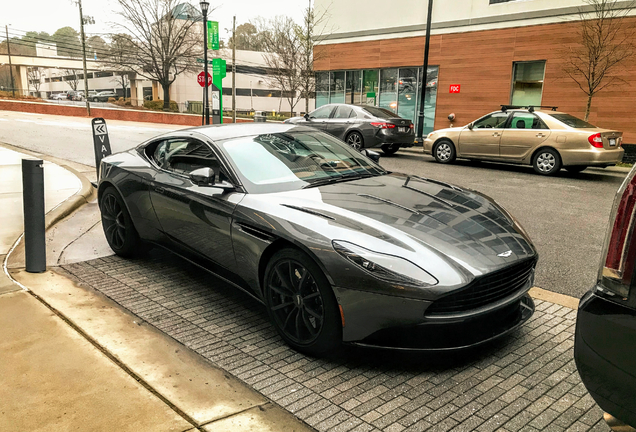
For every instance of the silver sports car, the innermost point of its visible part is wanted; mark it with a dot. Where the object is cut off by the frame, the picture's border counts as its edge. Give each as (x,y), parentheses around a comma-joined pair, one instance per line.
(337,248)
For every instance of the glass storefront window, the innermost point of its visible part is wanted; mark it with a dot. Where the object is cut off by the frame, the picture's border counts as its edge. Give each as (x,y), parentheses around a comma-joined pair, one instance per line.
(407,93)
(527,83)
(388,89)
(353,91)
(370,87)
(322,88)
(337,87)
(431,97)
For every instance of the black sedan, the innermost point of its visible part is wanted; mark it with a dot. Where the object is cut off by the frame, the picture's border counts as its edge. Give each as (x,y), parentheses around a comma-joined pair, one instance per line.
(337,248)
(605,336)
(361,126)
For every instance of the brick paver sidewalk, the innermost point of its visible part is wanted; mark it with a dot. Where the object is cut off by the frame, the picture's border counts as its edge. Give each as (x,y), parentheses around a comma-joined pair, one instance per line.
(527,382)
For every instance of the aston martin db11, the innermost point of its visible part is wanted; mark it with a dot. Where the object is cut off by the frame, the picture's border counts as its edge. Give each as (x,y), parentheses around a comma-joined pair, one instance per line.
(337,248)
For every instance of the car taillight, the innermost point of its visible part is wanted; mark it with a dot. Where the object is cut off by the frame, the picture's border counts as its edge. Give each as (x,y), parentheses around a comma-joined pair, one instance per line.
(383,125)
(411,126)
(596,140)
(620,249)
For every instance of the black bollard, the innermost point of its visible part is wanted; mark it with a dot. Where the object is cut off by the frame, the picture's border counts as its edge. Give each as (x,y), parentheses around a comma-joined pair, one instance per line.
(33,199)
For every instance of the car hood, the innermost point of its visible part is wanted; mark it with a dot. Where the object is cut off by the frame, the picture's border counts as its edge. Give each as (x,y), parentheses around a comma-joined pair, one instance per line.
(407,215)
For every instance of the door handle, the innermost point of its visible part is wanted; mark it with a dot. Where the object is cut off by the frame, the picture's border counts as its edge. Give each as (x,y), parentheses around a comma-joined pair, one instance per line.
(496,134)
(159,189)
(540,135)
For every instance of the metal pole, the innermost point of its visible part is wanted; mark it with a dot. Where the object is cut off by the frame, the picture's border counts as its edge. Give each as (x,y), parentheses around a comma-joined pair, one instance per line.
(6,28)
(420,117)
(33,201)
(234,70)
(88,105)
(206,107)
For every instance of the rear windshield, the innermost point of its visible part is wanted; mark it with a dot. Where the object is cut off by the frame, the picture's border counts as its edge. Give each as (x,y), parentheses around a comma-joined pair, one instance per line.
(380,112)
(573,122)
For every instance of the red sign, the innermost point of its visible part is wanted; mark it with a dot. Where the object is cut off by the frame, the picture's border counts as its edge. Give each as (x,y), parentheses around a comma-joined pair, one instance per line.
(201,79)
(455,88)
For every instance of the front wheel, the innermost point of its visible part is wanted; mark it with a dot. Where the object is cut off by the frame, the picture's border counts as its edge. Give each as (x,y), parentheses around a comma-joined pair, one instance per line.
(355,140)
(390,149)
(120,232)
(301,303)
(444,152)
(546,162)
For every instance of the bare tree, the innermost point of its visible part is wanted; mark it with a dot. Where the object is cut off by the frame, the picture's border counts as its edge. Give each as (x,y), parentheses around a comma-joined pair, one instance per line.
(606,41)
(122,79)
(166,40)
(309,36)
(71,78)
(281,37)
(34,76)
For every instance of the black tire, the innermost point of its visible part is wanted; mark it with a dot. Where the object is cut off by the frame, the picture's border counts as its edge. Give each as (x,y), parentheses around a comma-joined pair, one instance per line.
(546,162)
(575,168)
(355,140)
(390,149)
(301,303)
(121,235)
(444,152)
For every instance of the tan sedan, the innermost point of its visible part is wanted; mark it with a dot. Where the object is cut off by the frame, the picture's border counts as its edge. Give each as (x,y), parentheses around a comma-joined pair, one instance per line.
(546,139)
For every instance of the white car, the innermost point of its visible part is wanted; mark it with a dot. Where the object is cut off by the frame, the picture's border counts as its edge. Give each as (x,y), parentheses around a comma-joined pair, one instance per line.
(59,96)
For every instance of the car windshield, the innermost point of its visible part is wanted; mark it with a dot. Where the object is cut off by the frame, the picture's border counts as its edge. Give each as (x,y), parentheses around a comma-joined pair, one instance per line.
(573,122)
(294,160)
(380,112)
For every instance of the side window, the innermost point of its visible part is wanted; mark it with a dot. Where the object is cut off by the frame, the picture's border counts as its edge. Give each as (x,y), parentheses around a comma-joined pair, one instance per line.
(342,112)
(322,112)
(526,120)
(185,156)
(495,120)
(353,114)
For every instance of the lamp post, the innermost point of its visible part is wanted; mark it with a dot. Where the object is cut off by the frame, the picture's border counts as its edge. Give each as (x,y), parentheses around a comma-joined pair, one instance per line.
(206,108)
(420,125)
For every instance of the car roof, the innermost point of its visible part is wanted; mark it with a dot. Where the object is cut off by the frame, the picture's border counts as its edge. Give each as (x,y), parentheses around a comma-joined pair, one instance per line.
(543,111)
(236,130)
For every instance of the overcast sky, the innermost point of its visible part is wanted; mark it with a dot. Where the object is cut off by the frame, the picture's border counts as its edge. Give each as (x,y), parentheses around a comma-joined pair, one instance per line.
(50,15)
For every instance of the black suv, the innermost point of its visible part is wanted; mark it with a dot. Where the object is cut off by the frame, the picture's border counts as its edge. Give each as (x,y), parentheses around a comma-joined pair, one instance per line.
(605,338)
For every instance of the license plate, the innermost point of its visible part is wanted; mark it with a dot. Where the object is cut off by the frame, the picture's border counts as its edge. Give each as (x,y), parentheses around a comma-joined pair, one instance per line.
(402,129)
(612,142)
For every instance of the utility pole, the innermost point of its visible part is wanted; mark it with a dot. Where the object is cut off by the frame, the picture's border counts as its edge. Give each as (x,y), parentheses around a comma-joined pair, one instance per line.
(234,70)
(420,125)
(6,28)
(88,105)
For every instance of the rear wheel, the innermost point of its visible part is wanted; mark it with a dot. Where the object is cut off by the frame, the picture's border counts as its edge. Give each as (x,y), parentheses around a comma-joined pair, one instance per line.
(390,149)
(575,168)
(355,140)
(444,152)
(546,162)
(120,232)
(301,303)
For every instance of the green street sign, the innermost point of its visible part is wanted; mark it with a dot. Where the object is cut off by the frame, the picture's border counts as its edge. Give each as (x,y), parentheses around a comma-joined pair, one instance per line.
(203,61)
(219,68)
(218,73)
(213,35)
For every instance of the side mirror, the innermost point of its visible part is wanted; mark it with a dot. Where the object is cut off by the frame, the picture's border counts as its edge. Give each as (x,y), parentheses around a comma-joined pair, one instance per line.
(306,116)
(471,126)
(374,156)
(203,177)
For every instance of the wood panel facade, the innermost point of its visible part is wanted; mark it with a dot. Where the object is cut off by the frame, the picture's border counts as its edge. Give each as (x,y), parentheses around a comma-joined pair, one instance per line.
(482,62)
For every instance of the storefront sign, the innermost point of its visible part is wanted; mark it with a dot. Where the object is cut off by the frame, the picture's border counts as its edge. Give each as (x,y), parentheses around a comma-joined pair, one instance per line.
(455,88)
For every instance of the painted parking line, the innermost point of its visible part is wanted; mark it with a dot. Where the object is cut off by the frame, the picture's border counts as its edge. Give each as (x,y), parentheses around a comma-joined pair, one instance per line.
(552,297)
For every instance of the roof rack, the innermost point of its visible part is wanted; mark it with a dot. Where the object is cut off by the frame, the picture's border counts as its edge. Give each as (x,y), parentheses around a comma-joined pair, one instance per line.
(530,108)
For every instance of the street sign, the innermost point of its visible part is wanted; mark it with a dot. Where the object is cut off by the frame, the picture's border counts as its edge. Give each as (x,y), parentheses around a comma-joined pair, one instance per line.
(100,141)
(455,88)
(213,35)
(203,61)
(201,79)
(219,69)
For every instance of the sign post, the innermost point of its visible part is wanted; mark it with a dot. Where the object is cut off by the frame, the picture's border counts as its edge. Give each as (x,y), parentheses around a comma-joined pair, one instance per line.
(218,73)
(100,141)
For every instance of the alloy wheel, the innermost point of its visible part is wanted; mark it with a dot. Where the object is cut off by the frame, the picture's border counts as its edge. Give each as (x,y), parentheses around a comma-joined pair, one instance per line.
(444,152)
(355,141)
(546,162)
(114,221)
(296,302)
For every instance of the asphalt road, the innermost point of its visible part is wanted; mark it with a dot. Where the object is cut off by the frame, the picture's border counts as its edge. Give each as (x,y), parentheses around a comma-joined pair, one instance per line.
(566,216)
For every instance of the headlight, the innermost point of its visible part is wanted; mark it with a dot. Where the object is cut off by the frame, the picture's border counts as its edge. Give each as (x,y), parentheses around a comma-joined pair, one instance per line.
(388,268)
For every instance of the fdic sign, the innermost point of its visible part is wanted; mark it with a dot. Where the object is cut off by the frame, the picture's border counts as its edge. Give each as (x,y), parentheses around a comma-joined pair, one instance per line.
(100,140)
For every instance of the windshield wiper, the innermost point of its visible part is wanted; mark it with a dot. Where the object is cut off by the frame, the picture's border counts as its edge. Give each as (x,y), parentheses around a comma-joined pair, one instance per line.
(336,179)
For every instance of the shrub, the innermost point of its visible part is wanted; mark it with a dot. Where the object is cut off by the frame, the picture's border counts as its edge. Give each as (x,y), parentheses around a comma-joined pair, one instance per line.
(157,105)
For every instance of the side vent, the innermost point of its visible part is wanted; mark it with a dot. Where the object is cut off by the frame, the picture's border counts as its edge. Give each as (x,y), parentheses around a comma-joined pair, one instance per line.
(255,232)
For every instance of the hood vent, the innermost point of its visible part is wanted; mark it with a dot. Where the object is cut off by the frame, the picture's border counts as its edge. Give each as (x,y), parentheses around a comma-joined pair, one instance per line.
(390,203)
(310,211)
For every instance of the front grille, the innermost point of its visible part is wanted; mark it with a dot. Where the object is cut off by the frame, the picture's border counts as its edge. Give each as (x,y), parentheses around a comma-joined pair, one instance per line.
(485,290)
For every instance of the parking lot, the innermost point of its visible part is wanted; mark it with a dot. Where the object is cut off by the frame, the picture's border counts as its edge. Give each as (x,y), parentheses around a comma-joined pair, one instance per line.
(566,215)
